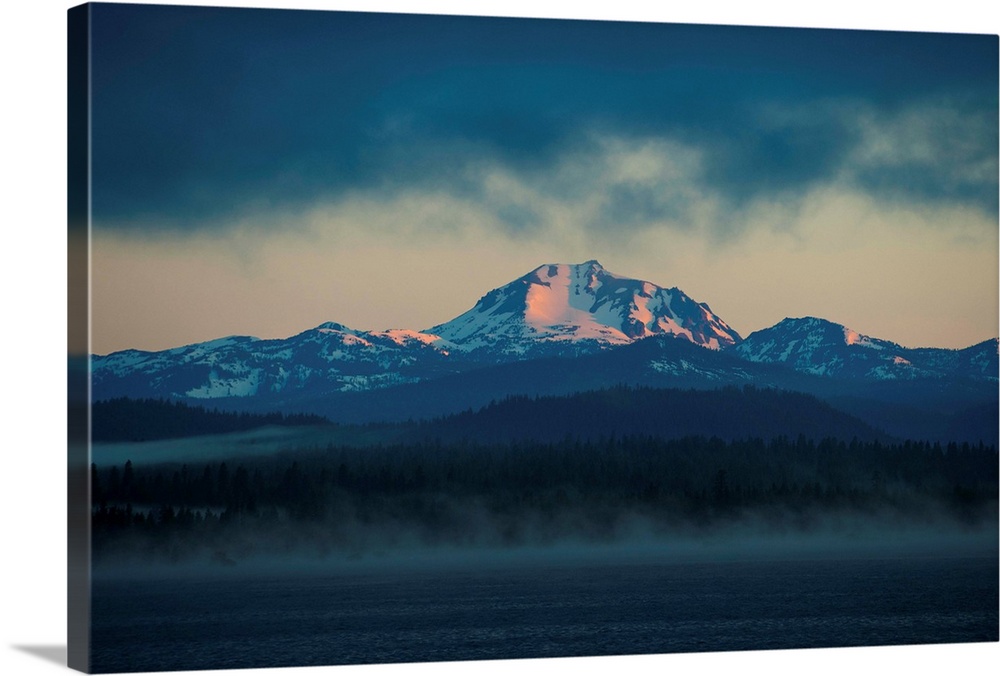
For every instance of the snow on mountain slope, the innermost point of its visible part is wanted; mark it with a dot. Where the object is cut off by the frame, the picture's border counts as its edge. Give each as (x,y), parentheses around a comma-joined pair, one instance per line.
(825,348)
(582,306)
(330,356)
(562,310)
(556,310)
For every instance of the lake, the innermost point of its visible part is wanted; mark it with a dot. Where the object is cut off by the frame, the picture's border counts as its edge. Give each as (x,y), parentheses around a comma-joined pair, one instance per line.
(536,606)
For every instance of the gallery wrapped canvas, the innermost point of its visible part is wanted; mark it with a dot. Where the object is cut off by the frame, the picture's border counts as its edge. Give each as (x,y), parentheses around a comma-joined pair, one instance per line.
(430,338)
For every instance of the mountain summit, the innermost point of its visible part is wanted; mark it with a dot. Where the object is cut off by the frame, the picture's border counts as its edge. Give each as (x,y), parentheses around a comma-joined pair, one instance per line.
(604,329)
(561,305)
(554,310)
(824,348)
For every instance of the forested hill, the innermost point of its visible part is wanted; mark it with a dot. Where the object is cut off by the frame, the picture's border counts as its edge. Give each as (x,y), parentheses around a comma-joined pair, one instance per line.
(125,419)
(728,413)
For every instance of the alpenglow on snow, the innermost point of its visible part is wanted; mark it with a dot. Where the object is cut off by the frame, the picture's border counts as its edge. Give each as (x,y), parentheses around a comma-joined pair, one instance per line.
(560,303)
(557,310)
(554,310)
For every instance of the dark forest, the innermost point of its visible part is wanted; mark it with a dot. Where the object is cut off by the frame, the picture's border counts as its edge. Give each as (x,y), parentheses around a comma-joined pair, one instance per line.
(349,501)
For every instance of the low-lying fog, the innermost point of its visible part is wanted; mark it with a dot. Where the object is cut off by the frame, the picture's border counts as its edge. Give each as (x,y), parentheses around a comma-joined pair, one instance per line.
(737,542)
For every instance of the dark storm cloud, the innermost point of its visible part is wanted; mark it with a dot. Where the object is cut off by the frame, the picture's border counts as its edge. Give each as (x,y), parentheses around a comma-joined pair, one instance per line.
(203,114)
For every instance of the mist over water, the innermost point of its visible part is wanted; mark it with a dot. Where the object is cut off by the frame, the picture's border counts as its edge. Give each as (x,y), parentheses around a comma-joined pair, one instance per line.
(436,551)
(735,543)
(623,498)
(728,592)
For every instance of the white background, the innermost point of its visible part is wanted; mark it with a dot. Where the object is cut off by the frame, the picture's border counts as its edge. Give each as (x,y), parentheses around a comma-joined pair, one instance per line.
(33,470)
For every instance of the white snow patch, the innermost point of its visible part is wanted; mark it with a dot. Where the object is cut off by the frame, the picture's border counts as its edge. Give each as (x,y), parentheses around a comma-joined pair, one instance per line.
(404,336)
(788,350)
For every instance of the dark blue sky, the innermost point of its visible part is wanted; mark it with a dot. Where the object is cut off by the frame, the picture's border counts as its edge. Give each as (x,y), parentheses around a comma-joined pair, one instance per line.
(202,113)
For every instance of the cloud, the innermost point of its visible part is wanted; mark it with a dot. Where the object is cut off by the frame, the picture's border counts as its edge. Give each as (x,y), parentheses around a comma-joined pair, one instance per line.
(203,117)
(259,172)
(939,151)
(918,274)
(611,188)
(611,183)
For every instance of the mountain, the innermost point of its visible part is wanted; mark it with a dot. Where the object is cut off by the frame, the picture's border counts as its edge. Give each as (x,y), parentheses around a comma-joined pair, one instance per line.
(569,309)
(555,310)
(658,361)
(559,330)
(328,357)
(821,347)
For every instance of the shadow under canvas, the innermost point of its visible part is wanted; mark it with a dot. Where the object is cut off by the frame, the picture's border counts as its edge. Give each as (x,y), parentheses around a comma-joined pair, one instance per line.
(49,653)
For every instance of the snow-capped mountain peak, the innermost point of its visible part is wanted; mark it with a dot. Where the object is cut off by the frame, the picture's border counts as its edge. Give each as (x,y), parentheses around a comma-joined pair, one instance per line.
(817,346)
(565,310)
(578,304)
(825,348)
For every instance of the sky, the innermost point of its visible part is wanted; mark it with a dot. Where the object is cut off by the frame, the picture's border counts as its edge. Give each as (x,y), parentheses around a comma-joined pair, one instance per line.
(259,172)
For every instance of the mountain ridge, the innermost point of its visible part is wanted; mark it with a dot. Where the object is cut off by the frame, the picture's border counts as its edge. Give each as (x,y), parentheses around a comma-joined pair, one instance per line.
(557,329)
(823,347)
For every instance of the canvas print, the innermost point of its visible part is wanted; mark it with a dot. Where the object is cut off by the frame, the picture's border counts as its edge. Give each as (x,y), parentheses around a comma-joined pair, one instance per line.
(415,338)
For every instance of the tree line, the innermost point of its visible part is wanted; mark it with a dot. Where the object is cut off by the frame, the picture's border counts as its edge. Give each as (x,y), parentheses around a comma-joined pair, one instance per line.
(726,412)
(344,498)
(126,419)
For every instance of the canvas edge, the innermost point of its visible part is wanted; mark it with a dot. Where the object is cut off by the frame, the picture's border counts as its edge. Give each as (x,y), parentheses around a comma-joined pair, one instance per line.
(78,338)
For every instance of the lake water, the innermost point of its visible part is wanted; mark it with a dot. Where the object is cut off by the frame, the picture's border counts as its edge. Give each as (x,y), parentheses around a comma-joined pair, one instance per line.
(537,608)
